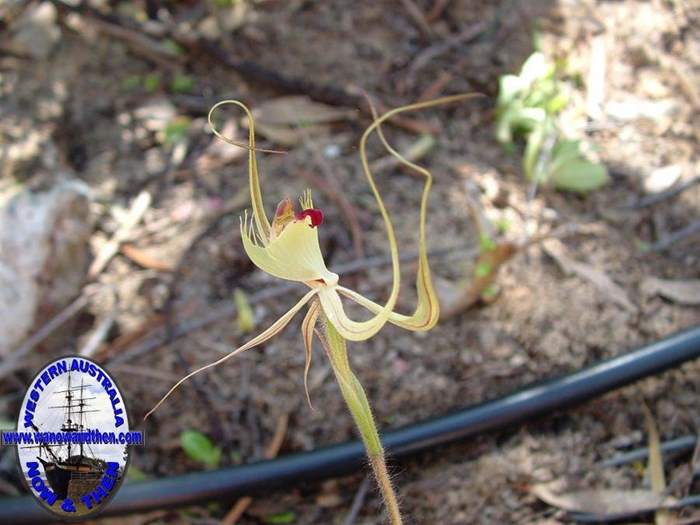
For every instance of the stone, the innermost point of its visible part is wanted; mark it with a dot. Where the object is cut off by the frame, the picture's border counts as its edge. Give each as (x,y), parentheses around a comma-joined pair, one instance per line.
(44,256)
(37,32)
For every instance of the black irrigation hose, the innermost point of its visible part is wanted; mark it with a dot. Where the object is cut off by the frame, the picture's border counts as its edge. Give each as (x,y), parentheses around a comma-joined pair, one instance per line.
(531,401)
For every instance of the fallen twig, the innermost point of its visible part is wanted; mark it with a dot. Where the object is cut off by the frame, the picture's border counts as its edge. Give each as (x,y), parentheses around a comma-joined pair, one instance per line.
(650,200)
(436,11)
(357,502)
(435,89)
(676,236)
(138,209)
(99,334)
(681,444)
(467,35)
(418,17)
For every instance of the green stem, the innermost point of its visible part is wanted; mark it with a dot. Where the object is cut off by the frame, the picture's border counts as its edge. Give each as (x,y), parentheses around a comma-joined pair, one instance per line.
(357,403)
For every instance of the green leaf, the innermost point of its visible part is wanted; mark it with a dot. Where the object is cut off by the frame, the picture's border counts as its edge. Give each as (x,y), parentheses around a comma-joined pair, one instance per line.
(579,175)
(182,83)
(502,224)
(282,517)
(131,82)
(246,317)
(135,474)
(176,130)
(486,243)
(199,448)
(504,133)
(557,102)
(509,87)
(532,154)
(151,82)
(490,292)
(483,269)
(173,47)
(563,152)
(526,119)
(535,67)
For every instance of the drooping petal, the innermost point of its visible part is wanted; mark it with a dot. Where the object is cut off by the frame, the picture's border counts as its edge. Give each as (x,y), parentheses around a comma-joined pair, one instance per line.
(424,318)
(346,327)
(427,309)
(276,327)
(294,255)
(307,331)
(261,223)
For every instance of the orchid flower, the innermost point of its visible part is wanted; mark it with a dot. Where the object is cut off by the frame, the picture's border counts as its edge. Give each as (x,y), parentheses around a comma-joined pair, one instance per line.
(288,247)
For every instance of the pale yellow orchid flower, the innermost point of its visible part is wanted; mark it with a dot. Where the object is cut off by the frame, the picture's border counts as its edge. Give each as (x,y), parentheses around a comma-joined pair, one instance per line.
(288,248)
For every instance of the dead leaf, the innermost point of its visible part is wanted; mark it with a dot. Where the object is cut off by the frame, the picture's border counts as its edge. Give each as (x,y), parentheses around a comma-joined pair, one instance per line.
(286,136)
(145,259)
(298,110)
(679,291)
(288,120)
(557,251)
(656,465)
(603,502)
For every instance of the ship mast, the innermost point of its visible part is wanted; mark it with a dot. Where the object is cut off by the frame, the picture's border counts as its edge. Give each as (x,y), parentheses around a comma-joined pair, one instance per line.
(82,412)
(70,424)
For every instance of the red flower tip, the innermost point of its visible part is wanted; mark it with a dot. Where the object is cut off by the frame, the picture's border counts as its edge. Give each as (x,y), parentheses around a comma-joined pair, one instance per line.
(315,214)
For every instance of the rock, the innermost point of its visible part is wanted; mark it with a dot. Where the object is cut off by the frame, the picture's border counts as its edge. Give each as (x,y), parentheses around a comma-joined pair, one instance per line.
(43,256)
(662,178)
(36,32)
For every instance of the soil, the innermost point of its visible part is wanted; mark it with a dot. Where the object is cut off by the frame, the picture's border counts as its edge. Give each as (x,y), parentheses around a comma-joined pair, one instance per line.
(96,121)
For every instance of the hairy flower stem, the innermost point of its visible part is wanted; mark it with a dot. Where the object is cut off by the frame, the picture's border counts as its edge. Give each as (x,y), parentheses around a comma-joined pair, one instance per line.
(355,398)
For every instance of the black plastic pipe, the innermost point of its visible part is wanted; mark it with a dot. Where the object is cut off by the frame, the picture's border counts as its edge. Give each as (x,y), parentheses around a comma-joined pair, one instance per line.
(529,402)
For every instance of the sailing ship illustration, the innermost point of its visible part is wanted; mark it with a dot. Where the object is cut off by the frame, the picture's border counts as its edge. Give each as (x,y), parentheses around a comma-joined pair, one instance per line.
(71,469)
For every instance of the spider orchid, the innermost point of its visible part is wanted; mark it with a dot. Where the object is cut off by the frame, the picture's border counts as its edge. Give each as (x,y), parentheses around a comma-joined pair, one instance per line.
(288,248)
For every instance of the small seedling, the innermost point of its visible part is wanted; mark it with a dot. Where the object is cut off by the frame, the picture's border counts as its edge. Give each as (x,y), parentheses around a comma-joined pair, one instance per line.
(282,517)
(151,82)
(182,83)
(528,107)
(176,130)
(246,317)
(288,247)
(199,448)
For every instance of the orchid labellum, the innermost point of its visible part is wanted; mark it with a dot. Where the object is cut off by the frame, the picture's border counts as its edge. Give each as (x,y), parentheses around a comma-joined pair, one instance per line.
(288,248)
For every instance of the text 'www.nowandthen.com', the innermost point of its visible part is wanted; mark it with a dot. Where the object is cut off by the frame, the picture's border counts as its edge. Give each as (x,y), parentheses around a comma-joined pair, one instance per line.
(84,437)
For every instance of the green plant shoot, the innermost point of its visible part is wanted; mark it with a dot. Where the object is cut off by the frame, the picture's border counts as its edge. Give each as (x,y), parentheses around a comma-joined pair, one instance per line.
(528,106)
